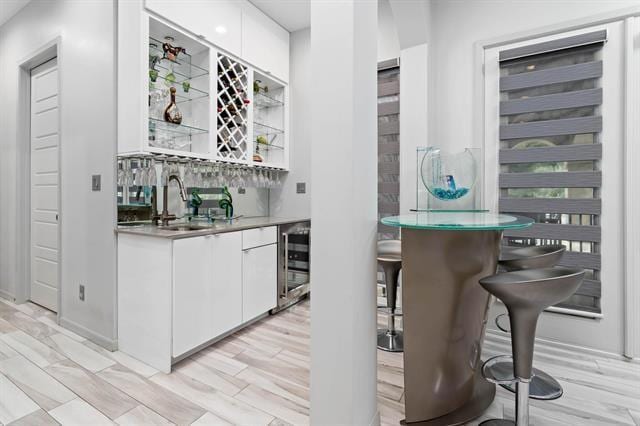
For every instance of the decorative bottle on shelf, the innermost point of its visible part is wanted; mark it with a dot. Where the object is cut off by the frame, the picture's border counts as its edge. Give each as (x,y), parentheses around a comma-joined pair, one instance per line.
(171,113)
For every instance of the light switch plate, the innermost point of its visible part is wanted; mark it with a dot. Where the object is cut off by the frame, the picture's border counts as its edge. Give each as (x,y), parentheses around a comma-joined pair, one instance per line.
(95,183)
(301,187)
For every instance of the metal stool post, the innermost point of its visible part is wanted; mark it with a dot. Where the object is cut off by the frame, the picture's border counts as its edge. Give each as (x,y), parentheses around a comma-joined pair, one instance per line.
(389,257)
(526,294)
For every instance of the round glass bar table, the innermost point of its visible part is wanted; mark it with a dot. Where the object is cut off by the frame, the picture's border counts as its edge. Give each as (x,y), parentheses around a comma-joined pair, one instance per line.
(444,254)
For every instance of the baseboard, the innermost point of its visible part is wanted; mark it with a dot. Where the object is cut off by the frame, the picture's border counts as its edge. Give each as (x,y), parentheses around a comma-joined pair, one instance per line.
(375,421)
(504,339)
(98,339)
(6,295)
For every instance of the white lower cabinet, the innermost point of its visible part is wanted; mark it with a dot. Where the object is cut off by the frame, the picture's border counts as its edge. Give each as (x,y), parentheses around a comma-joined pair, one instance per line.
(207,294)
(176,295)
(259,281)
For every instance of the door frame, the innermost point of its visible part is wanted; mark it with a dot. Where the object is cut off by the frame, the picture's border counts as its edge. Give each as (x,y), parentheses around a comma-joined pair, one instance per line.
(631,131)
(44,53)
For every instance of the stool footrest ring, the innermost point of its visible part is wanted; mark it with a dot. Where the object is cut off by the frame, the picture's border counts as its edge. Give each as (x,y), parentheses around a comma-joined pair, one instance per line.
(493,376)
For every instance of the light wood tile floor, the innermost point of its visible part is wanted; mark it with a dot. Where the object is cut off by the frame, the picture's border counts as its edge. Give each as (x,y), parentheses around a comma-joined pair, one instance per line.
(258,376)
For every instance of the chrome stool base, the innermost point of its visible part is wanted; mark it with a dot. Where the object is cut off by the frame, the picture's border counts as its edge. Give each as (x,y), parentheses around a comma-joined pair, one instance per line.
(390,341)
(497,422)
(543,387)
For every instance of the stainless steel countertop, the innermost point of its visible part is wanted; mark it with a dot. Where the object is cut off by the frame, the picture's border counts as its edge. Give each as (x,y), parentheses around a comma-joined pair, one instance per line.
(217,227)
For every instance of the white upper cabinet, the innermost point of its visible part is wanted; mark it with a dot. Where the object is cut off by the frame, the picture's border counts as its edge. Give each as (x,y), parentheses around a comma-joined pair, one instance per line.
(217,21)
(265,44)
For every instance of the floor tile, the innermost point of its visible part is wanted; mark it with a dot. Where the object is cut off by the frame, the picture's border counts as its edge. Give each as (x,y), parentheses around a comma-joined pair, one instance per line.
(123,359)
(275,367)
(100,394)
(210,420)
(40,386)
(78,413)
(210,376)
(224,406)
(141,415)
(79,353)
(53,325)
(14,403)
(29,325)
(217,360)
(6,351)
(37,418)
(296,393)
(174,406)
(274,404)
(31,348)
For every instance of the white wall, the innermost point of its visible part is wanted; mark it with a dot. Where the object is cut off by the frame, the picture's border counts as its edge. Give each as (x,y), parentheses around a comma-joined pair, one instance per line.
(388,43)
(285,201)
(88,132)
(457,25)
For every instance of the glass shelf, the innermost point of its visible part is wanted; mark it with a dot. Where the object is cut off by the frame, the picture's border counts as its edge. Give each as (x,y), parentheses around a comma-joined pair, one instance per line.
(177,130)
(263,129)
(264,101)
(183,69)
(181,95)
(267,147)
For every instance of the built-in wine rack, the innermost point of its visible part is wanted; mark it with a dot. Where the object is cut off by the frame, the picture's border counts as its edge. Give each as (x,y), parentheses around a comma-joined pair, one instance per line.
(233,101)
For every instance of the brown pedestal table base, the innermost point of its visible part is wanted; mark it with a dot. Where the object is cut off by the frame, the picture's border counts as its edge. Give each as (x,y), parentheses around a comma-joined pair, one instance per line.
(445,315)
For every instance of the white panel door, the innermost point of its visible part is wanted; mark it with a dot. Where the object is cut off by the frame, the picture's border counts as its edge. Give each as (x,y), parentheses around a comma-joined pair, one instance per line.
(226,281)
(193,294)
(265,44)
(44,185)
(259,281)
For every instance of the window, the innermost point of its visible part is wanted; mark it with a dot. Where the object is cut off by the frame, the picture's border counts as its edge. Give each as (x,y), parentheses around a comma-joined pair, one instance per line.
(388,146)
(550,151)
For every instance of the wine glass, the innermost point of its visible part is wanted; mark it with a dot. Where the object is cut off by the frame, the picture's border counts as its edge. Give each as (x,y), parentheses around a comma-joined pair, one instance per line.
(164,175)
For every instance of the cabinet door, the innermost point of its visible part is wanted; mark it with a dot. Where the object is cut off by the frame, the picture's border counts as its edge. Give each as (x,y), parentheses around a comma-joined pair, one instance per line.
(226,280)
(265,44)
(193,294)
(219,22)
(259,281)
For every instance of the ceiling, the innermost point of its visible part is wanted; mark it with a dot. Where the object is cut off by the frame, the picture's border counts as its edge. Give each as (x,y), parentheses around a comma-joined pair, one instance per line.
(8,8)
(293,15)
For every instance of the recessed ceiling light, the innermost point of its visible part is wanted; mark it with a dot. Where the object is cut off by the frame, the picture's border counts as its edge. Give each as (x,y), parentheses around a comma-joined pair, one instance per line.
(220,29)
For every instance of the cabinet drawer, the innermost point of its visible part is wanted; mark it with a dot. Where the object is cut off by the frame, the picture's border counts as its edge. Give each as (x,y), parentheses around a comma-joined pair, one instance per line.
(259,237)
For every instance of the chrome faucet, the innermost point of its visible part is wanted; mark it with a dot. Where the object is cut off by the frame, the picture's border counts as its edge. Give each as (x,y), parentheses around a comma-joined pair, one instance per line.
(165,217)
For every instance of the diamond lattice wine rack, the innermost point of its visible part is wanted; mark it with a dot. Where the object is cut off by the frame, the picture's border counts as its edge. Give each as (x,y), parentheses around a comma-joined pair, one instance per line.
(233,101)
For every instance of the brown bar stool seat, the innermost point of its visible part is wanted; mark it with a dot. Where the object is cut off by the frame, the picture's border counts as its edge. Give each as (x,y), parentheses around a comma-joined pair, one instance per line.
(390,258)
(526,294)
(531,257)
(543,386)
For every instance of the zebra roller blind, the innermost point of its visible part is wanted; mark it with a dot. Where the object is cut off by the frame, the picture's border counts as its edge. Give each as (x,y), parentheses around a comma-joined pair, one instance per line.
(388,146)
(550,151)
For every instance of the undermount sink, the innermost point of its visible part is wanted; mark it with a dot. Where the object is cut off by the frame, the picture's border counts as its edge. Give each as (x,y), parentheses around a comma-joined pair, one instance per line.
(178,228)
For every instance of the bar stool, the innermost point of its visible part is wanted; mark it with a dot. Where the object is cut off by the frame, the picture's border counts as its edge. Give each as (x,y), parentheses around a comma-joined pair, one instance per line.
(543,386)
(526,294)
(531,257)
(390,258)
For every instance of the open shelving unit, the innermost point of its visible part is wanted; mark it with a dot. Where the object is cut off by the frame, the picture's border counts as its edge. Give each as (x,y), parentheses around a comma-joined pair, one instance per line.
(223,118)
(188,73)
(269,138)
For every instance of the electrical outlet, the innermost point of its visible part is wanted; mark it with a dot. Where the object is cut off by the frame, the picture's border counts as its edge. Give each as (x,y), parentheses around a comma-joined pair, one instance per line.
(95,183)
(301,187)
(81,292)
